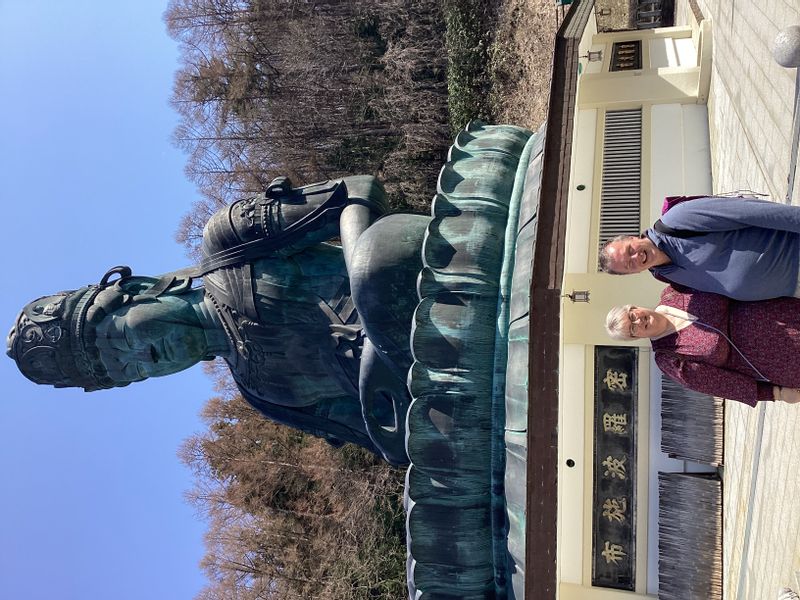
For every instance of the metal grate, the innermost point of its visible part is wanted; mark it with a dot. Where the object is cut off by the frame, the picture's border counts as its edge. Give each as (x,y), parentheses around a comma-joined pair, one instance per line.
(692,424)
(626,56)
(690,537)
(620,193)
(655,13)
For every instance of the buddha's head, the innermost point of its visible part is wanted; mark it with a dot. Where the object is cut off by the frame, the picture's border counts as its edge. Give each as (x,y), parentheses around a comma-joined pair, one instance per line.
(109,334)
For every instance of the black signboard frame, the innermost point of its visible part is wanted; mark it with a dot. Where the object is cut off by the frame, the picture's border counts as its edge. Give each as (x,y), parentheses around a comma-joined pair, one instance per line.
(616,383)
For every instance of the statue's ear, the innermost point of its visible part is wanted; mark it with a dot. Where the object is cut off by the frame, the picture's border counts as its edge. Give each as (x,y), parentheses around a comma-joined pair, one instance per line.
(150,288)
(132,288)
(135,285)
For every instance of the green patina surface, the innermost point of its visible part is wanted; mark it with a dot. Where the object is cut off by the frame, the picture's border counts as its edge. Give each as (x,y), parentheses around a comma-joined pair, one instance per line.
(322,338)
(468,417)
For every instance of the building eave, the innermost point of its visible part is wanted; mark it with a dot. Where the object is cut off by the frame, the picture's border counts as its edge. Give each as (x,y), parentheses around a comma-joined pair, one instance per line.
(541,579)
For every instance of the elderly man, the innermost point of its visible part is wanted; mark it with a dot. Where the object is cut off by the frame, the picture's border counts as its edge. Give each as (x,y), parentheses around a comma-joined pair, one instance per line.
(743,248)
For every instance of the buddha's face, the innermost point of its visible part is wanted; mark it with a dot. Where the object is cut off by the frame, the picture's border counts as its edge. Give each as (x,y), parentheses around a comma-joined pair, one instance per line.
(150,339)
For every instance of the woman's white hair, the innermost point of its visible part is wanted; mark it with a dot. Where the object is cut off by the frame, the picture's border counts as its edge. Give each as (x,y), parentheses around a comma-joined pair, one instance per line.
(617,322)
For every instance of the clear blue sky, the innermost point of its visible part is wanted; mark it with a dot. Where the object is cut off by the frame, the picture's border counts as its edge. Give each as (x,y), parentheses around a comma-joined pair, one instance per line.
(91,492)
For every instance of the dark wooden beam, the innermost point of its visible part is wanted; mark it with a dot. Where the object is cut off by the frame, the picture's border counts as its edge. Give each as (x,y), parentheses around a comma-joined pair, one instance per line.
(541,582)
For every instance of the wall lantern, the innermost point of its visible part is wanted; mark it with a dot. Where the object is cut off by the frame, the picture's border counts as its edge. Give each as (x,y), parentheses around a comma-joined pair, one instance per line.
(579,296)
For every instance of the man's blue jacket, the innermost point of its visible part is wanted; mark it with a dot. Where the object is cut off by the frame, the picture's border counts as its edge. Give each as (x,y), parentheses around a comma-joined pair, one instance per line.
(748,249)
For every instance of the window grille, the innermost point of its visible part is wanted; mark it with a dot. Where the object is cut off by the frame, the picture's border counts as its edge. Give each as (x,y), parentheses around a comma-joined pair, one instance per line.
(626,56)
(620,193)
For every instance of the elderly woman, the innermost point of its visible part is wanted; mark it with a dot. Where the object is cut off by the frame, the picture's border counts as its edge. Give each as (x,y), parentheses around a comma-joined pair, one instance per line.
(745,351)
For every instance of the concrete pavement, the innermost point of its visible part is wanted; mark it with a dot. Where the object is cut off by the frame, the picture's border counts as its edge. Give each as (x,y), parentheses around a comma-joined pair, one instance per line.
(750,106)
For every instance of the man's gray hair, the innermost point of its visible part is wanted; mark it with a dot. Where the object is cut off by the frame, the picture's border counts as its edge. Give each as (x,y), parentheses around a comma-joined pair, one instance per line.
(618,323)
(604,260)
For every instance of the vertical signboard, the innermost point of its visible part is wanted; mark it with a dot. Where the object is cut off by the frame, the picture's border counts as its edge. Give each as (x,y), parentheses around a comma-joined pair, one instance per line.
(614,490)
